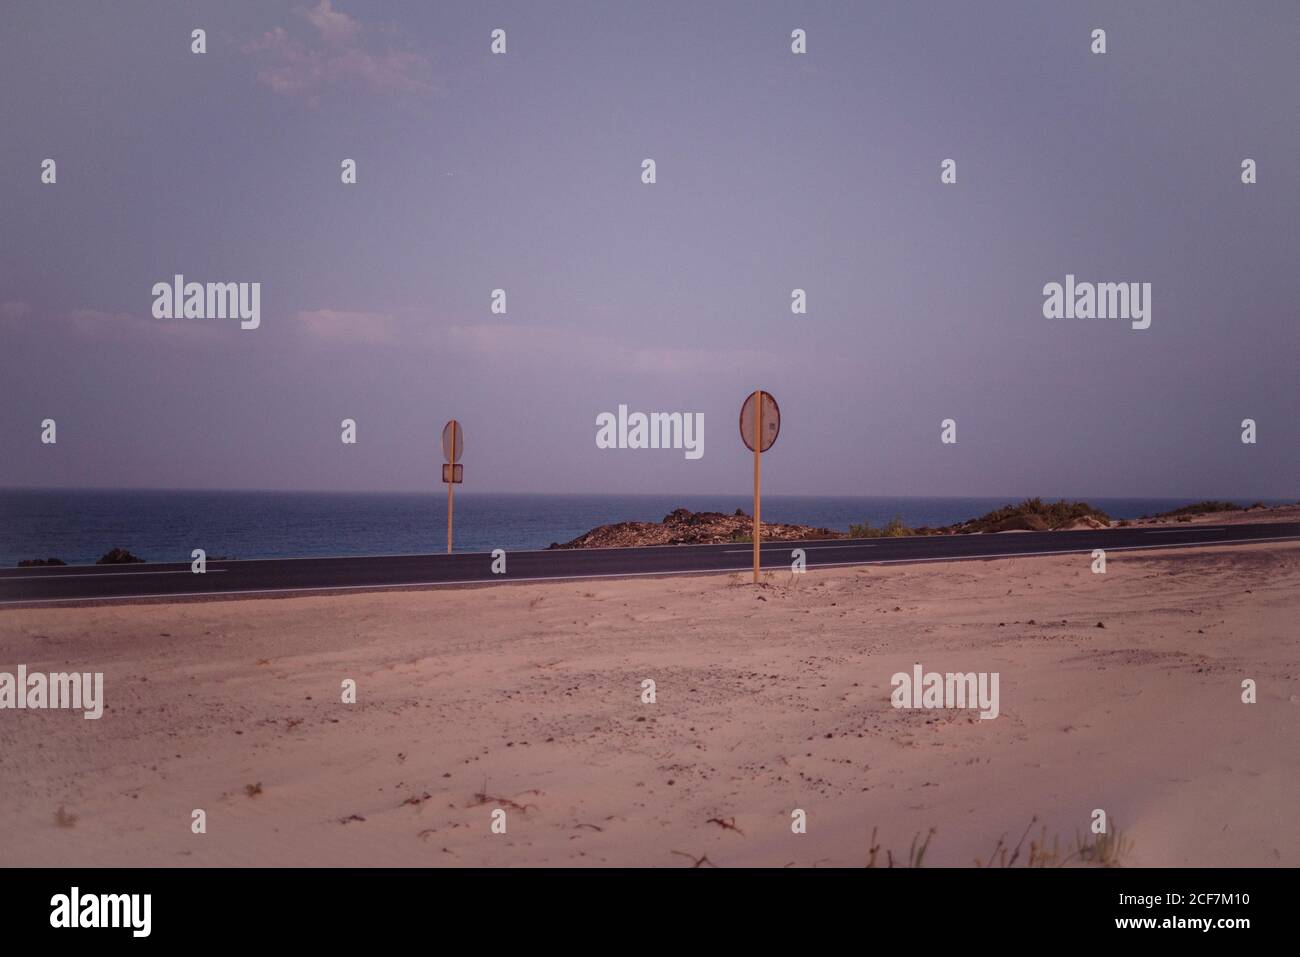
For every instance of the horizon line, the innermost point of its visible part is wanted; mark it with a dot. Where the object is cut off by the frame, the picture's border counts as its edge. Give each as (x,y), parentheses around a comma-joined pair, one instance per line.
(434,490)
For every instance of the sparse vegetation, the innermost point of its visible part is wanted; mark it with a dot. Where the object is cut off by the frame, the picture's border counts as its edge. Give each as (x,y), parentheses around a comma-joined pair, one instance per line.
(483,797)
(1102,850)
(895,529)
(727,824)
(701,861)
(1105,850)
(1199,508)
(1033,514)
(915,854)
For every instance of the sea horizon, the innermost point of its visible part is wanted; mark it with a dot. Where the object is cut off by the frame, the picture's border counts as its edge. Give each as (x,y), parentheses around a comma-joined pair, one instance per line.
(78,525)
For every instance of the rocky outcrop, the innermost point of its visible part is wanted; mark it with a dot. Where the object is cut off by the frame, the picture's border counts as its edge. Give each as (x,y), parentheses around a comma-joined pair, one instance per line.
(118,556)
(684,527)
(40,562)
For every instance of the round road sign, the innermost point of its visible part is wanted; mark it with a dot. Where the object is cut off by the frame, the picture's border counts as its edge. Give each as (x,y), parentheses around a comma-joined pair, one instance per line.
(448,430)
(771,424)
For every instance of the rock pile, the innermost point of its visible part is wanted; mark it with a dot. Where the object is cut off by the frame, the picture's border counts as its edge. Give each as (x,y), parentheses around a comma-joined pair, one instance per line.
(684,527)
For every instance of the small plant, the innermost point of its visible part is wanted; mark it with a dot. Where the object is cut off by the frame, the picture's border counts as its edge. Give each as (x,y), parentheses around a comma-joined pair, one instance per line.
(1104,850)
(915,854)
(1004,856)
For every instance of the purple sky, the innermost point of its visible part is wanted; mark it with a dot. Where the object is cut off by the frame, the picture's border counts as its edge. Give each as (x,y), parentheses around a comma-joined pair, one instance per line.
(775,171)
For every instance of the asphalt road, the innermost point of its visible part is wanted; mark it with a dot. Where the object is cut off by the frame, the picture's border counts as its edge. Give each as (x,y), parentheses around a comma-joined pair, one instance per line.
(81,583)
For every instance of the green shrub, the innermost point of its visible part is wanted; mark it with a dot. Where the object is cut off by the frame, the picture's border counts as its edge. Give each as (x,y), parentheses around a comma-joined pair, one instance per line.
(895,529)
(1033,514)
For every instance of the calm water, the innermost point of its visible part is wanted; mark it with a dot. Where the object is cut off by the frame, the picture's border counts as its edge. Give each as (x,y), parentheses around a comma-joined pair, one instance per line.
(80,525)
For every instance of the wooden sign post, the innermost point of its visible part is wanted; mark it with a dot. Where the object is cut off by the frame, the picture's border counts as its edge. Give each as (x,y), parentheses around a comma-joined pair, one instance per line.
(760,421)
(758,486)
(453,444)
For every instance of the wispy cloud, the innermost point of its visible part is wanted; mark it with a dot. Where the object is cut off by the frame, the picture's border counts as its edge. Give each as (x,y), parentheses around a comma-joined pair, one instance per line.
(337,53)
(332,325)
(104,325)
(333,25)
(11,313)
(566,348)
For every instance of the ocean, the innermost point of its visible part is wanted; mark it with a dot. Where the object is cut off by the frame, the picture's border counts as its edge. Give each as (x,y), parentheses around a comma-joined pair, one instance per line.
(79,525)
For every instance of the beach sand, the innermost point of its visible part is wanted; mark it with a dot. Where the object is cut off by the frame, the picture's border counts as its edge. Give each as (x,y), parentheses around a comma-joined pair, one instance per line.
(527,698)
(1237,516)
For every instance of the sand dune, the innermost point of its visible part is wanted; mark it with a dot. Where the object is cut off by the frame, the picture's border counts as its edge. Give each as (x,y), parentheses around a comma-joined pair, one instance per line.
(528,698)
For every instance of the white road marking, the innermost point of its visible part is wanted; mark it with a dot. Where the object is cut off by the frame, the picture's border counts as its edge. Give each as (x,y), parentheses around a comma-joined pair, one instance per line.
(32,578)
(777,548)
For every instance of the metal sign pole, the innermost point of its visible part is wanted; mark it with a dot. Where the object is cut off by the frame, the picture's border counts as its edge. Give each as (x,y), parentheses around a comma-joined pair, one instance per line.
(758,430)
(758,445)
(452,484)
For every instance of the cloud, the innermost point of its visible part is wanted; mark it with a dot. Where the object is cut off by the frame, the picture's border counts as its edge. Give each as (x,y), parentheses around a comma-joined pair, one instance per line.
(99,324)
(102,327)
(333,25)
(12,312)
(337,57)
(561,347)
(331,325)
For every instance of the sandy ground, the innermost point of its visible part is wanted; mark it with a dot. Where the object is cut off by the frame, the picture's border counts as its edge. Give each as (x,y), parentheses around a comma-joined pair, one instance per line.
(527,698)
(1241,516)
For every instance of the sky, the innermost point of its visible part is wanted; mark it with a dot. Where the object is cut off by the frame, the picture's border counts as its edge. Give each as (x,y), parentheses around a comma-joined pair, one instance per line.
(522,171)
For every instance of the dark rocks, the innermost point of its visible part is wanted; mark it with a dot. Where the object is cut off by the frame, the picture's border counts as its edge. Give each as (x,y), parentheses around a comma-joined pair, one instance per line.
(40,562)
(118,556)
(684,527)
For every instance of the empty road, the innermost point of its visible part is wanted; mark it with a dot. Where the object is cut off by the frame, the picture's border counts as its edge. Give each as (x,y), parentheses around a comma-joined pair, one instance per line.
(83,583)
